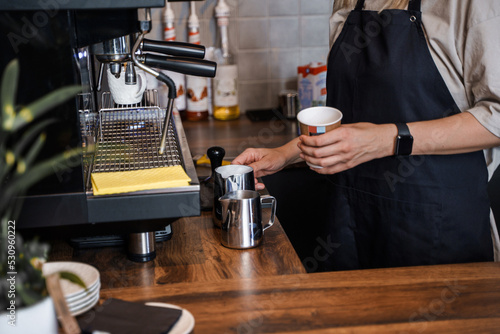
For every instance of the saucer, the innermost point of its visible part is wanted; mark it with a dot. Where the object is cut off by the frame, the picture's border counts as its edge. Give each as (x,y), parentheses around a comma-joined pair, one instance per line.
(84,308)
(87,273)
(78,299)
(84,294)
(82,300)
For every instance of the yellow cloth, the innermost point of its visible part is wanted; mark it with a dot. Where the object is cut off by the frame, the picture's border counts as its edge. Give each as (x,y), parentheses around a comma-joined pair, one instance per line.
(136,180)
(204,160)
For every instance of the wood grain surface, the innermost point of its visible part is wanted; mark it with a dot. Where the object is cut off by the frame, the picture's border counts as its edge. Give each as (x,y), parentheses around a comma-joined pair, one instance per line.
(463,298)
(193,254)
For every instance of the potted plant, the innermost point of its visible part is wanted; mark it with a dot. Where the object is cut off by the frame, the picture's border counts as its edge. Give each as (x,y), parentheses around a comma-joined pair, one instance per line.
(22,285)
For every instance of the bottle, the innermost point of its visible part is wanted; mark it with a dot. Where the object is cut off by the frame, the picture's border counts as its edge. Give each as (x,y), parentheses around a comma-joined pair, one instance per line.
(168,24)
(197,90)
(225,83)
(178,78)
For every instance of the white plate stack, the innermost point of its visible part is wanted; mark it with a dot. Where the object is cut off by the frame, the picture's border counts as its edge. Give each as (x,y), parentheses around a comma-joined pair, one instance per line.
(78,299)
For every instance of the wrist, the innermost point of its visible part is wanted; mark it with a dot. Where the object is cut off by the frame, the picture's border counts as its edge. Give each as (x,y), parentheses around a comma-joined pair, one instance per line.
(291,151)
(388,144)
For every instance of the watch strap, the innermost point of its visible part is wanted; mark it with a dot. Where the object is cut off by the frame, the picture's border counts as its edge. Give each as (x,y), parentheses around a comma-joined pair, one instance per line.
(404,140)
(403,129)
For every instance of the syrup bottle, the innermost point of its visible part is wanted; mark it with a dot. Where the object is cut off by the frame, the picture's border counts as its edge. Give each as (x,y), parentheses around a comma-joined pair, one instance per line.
(225,83)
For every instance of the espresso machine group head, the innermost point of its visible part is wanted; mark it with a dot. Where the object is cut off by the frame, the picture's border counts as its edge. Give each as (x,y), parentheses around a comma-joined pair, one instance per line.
(84,38)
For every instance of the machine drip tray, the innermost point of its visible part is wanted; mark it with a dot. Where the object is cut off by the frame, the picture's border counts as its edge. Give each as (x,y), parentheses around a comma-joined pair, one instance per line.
(114,240)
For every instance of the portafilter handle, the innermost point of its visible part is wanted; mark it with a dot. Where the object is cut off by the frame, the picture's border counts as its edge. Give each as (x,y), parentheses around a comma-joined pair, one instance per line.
(174,48)
(184,65)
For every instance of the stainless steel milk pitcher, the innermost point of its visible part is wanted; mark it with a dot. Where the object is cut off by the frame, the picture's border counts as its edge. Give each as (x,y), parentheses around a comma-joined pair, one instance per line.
(242,218)
(227,179)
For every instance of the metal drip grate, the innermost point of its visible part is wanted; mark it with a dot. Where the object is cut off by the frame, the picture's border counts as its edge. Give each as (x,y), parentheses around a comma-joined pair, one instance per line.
(149,100)
(130,136)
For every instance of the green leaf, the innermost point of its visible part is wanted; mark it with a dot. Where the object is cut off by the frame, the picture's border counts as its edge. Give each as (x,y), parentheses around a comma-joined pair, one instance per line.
(44,104)
(72,278)
(20,146)
(29,135)
(30,156)
(8,94)
(6,163)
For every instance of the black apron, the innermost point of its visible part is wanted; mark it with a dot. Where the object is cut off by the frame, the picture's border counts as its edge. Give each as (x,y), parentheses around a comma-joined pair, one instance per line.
(400,211)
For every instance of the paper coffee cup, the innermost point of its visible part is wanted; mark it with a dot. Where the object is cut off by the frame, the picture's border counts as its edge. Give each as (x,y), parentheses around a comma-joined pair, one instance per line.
(316,121)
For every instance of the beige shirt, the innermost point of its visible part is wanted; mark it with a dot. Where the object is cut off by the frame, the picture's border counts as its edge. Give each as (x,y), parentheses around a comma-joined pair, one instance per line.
(464,40)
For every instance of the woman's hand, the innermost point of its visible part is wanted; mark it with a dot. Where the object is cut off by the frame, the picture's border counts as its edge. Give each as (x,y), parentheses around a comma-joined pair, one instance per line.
(348,146)
(265,161)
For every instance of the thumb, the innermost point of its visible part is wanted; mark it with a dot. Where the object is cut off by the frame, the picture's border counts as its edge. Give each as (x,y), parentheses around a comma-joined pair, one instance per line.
(238,161)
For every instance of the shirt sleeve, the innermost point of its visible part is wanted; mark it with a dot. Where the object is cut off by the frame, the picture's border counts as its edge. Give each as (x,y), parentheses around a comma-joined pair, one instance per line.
(482,73)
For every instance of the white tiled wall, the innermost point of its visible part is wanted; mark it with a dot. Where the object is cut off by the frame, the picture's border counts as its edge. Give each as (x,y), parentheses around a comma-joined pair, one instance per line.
(269,39)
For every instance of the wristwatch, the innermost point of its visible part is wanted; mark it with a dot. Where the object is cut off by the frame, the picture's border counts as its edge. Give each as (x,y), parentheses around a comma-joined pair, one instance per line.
(404,140)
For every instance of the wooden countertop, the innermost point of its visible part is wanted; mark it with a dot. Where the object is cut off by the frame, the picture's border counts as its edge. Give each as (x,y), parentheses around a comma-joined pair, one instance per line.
(461,298)
(266,290)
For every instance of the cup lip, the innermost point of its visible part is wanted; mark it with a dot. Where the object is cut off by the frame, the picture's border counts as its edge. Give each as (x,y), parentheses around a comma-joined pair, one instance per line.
(340,115)
(249,169)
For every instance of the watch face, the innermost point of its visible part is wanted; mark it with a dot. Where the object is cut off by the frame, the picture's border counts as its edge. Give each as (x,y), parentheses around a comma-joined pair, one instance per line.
(404,145)
(404,140)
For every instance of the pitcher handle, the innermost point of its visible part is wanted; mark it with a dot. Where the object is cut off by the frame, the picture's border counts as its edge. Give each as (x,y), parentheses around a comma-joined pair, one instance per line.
(264,198)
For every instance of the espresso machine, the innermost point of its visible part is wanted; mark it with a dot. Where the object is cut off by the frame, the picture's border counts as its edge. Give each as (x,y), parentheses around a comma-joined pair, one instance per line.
(60,43)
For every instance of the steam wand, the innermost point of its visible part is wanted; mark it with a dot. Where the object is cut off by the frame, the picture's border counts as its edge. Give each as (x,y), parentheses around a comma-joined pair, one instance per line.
(172,91)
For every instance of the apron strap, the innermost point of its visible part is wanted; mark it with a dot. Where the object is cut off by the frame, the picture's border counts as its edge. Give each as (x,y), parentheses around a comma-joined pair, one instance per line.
(413,5)
(359,5)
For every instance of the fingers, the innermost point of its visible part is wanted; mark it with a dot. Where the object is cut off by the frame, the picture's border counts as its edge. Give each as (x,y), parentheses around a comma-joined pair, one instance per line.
(258,185)
(338,161)
(249,157)
(320,152)
(263,161)
(330,150)
(324,139)
(244,158)
(333,152)
(240,161)
(347,146)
